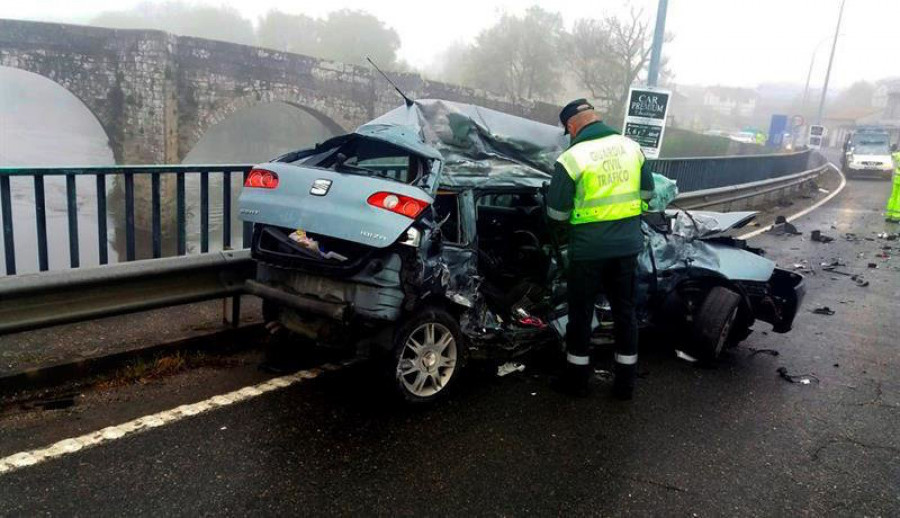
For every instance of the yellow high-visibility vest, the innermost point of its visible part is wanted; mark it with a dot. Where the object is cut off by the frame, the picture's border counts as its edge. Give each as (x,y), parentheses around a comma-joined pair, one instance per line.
(607,176)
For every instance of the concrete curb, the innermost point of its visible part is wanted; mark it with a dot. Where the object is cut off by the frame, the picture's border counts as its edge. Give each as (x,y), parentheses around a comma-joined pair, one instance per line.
(49,376)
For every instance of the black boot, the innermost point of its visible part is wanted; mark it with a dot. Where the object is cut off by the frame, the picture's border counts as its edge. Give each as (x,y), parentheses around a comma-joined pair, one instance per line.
(623,384)
(575,381)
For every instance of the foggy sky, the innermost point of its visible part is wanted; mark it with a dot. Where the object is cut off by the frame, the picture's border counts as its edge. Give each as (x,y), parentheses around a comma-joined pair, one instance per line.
(727,42)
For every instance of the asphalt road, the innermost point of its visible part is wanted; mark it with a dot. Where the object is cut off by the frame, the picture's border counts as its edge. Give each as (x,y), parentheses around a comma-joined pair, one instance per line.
(735,440)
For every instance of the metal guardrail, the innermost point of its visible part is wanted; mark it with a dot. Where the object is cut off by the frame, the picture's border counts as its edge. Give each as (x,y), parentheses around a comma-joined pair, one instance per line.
(694,174)
(156,175)
(725,195)
(37,300)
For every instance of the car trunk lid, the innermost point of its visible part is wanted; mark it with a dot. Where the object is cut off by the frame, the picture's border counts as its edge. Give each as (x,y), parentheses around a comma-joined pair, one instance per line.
(329,203)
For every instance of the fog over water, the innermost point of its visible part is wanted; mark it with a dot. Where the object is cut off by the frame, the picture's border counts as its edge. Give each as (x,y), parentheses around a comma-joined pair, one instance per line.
(42,124)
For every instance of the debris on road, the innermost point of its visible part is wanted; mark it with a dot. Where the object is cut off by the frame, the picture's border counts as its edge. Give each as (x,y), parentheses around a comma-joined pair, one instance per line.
(802,379)
(851,237)
(824,191)
(888,236)
(782,227)
(833,269)
(824,310)
(819,237)
(862,283)
(873,265)
(509,368)
(685,356)
(603,375)
(770,352)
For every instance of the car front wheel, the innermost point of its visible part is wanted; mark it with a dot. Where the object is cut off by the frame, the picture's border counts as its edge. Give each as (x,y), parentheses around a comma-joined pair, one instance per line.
(714,323)
(429,352)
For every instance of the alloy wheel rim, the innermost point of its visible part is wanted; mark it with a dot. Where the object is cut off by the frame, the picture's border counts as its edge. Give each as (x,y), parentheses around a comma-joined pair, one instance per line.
(428,359)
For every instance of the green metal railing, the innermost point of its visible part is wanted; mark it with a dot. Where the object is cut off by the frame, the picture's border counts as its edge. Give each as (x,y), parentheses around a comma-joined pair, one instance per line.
(128,175)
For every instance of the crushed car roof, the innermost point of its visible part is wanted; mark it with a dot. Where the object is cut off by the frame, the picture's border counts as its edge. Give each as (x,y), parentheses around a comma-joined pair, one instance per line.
(480,147)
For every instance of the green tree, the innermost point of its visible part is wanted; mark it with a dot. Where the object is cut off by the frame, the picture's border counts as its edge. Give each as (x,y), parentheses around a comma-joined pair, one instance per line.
(215,23)
(518,56)
(349,36)
(289,33)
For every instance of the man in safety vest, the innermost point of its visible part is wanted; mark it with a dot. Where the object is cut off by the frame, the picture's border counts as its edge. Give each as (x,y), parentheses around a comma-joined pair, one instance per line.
(598,187)
(892,211)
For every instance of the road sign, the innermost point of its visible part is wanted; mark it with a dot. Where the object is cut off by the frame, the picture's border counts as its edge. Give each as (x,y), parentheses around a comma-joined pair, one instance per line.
(816,136)
(777,129)
(645,118)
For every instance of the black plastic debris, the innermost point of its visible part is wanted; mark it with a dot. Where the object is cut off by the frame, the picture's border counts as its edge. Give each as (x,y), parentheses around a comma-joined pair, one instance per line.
(782,227)
(850,236)
(873,265)
(819,237)
(802,379)
(770,352)
(833,269)
(824,310)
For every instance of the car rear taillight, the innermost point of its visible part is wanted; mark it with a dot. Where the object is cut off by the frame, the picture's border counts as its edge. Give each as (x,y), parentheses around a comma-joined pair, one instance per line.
(398,203)
(262,179)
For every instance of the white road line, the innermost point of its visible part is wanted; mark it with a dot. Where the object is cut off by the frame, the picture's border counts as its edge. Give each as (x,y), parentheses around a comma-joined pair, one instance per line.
(141,424)
(807,210)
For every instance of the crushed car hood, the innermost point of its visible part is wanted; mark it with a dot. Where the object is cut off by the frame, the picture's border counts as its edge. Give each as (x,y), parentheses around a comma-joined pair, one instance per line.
(706,224)
(478,144)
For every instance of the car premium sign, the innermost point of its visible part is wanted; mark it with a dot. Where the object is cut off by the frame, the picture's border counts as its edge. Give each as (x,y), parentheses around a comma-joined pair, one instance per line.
(645,118)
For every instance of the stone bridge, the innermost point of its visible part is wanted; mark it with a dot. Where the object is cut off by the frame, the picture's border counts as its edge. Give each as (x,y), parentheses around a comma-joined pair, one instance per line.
(155,93)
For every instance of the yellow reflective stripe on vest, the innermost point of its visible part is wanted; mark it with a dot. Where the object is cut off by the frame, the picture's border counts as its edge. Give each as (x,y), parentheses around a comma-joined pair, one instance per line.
(607,176)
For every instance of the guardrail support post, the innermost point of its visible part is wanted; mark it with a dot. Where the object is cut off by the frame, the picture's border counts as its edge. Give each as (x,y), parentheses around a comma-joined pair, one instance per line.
(231,313)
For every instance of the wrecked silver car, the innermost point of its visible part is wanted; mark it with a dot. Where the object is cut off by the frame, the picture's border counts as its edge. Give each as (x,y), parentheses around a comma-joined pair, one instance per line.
(423,236)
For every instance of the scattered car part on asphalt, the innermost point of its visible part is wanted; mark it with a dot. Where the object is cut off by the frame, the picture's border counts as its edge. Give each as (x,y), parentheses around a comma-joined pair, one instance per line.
(685,356)
(509,368)
(819,237)
(782,227)
(770,352)
(824,310)
(802,379)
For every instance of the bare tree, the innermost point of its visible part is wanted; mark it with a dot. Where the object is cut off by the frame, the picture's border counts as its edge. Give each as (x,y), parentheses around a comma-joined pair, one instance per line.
(607,56)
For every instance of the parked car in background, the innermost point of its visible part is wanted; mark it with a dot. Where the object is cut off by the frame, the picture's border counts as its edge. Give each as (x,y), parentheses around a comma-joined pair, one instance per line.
(421,239)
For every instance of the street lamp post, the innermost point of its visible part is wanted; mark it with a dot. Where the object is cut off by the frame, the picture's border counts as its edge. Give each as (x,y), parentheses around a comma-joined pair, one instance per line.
(837,30)
(658,36)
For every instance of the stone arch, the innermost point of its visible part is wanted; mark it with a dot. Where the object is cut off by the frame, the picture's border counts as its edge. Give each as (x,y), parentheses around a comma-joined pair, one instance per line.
(105,107)
(321,107)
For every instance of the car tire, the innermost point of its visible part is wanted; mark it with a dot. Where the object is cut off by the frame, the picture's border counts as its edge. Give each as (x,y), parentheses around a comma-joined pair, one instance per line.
(428,355)
(714,323)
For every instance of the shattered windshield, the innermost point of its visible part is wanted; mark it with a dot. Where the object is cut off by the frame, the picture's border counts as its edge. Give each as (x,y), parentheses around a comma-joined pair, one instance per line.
(372,157)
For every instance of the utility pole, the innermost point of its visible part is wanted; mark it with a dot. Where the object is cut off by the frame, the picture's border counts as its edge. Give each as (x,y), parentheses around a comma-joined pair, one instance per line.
(830,61)
(658,35)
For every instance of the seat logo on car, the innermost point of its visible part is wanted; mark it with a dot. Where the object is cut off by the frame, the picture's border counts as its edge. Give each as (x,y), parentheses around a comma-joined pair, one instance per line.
(320,187)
